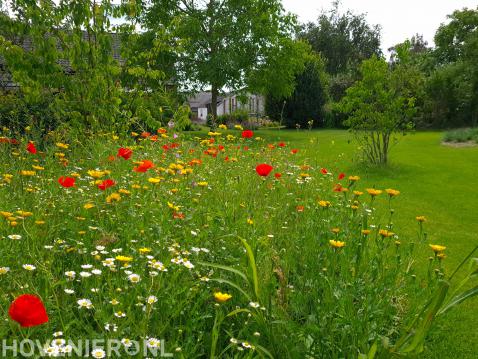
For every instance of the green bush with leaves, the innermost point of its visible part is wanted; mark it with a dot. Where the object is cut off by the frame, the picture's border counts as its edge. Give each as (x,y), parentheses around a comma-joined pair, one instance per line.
(378,108)
(74,56)
(462,135)
(308,100)
(235,117)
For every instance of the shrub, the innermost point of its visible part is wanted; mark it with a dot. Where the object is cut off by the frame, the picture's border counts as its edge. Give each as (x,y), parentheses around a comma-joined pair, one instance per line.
(236,117)
(17,113)
(462,135)
(378,109)
(306,102)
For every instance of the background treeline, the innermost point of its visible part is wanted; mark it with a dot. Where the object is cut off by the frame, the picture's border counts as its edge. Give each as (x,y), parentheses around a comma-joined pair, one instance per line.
(441,80)
(87,64)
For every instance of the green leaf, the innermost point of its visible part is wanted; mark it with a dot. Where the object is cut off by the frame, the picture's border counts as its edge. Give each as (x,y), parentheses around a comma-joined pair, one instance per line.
(226,268)
(372,351)
(459,299)
(252,266)
(418,335)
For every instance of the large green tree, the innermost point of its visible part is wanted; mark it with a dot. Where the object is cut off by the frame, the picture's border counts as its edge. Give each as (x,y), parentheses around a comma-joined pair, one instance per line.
(71,53)
(344,39)
(453,38)
(308,100)
(453,88)
(228,44)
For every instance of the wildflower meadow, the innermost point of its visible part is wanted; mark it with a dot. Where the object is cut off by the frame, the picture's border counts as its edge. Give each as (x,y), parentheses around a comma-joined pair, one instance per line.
(210,244)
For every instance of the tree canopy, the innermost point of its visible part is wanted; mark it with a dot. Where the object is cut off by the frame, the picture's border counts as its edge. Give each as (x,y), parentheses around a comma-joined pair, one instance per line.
(228,44)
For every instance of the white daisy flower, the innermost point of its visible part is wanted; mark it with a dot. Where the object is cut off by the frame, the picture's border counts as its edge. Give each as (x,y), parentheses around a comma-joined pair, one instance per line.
(134,278)
(85,303)
(152,299)
(153,343)
(98,353)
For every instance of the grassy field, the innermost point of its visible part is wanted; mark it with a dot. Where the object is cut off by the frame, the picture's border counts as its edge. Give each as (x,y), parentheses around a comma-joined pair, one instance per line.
(128,249)
(436,181)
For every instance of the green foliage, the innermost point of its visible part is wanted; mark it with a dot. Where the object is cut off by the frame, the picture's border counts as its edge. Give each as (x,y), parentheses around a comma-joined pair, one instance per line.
(379,105)
(17,113)
(461,135)
(236,117)
(217,45)
(345,40)
(290,298)
(306,102)
(70,53)
(451,89)
(453,37)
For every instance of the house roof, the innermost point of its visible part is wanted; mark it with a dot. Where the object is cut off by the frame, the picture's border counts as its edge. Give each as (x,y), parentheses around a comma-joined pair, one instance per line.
(201,99)
(26,43)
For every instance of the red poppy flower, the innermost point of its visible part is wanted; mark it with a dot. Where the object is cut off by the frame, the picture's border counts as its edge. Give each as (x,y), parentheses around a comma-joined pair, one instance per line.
(247,134)
(125,153)
(339,188)
(263,170)
(31,148)
(294,151)
(28,310)
(341,176)
(144,166)
(281,144)
(277,175)
(324,171)
(107,183)
(66,181)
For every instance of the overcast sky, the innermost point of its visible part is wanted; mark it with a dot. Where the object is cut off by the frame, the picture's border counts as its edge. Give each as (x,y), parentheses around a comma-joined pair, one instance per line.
(400,19)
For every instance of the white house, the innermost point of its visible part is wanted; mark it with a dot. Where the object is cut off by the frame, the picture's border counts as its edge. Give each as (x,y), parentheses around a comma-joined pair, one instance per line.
(200,105)
(252,103)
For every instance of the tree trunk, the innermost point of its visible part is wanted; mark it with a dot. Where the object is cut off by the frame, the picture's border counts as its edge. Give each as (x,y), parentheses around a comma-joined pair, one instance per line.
(214,95)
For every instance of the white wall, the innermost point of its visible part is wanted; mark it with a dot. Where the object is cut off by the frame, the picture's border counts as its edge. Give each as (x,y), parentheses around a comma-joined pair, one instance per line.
(202,113)
(255,104)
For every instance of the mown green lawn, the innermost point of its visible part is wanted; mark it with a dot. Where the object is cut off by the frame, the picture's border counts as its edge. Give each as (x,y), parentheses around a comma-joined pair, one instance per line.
(436,181)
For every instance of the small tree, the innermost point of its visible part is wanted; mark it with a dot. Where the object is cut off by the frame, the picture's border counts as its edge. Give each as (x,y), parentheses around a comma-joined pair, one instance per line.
(378,108)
